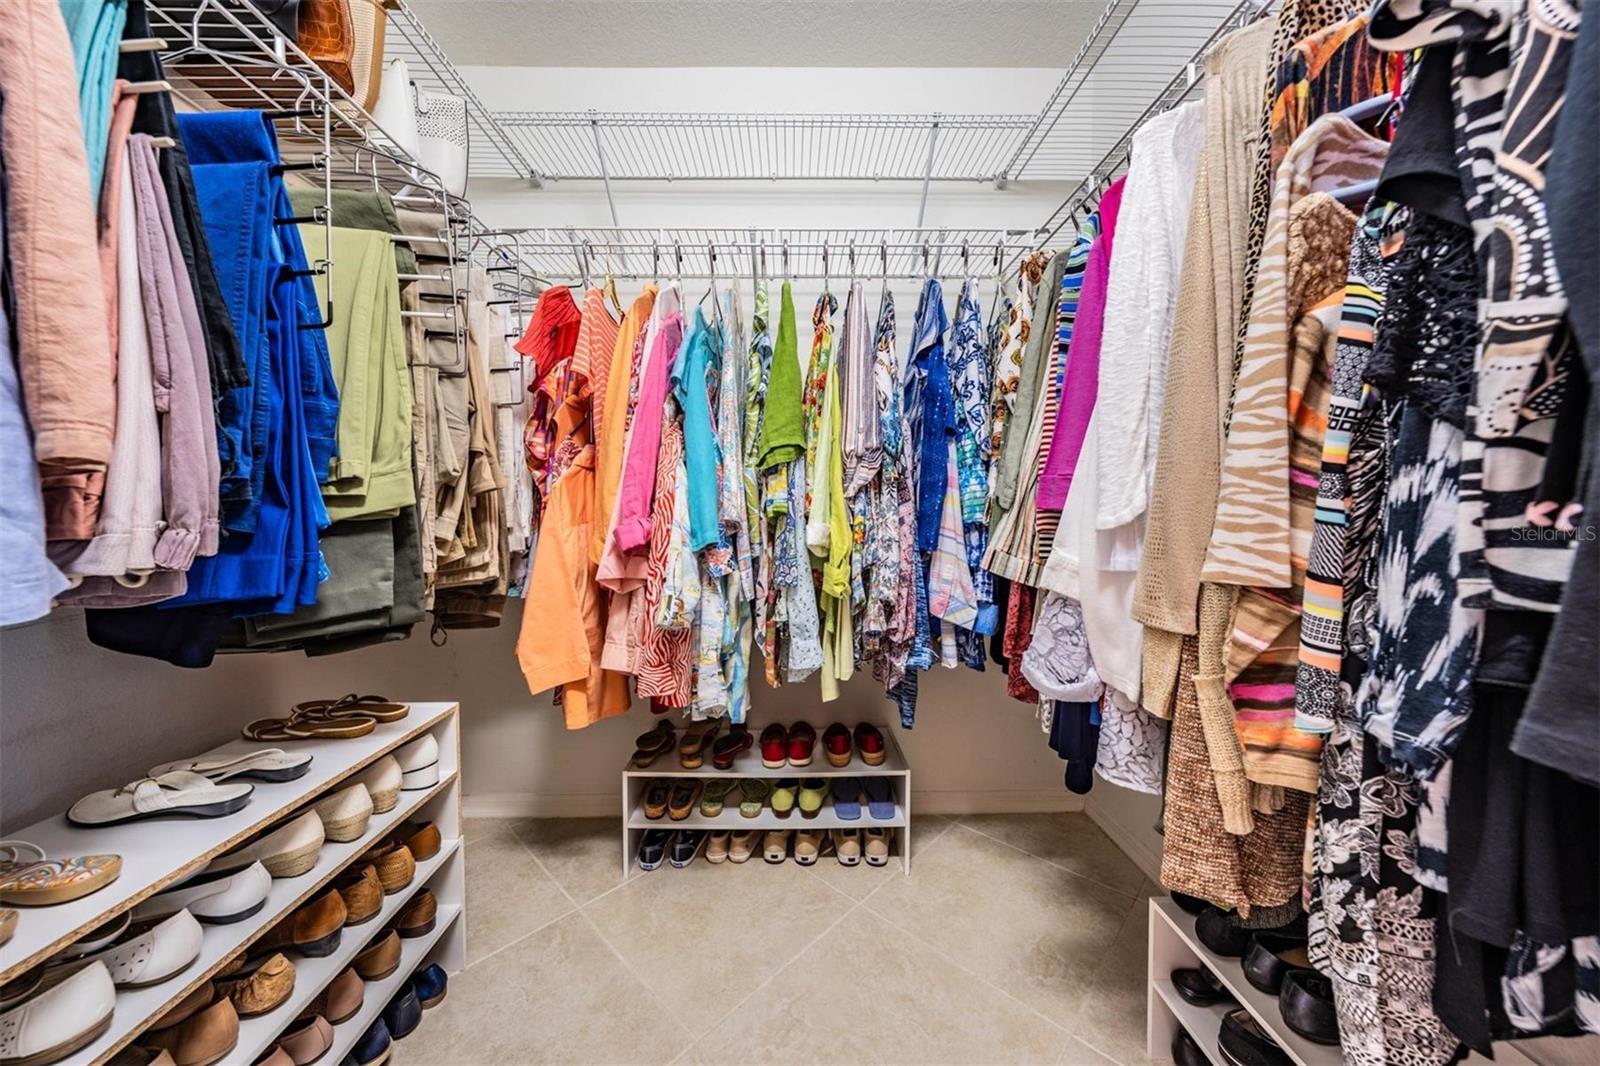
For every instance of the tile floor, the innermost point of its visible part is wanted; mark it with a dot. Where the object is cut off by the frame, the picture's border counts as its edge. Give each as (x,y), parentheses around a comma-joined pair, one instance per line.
(1017,939)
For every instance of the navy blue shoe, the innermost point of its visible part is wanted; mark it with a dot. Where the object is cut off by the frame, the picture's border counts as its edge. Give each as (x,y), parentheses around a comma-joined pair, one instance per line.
(403,1013)
(429,984)
(373,1048)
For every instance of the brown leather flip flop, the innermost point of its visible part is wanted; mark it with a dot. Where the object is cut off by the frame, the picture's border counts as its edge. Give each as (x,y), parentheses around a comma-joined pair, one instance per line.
(374,707)
(278,729)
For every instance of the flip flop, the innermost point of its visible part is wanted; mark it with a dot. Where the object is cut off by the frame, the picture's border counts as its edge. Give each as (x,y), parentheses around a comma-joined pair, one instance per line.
(715,795)
(374,707)
(753,795)
(656,795)
(696,739)
(267,764)
(29,878)
(847,798)
(344,727)
(880,798)
(176,794)
(685,794)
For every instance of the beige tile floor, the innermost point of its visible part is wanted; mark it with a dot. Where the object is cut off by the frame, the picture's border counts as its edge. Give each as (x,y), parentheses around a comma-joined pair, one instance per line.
(1017,939)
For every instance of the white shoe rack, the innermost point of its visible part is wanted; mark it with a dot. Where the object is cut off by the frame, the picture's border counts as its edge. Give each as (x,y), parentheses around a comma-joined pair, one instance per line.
(159,852)
(636,781)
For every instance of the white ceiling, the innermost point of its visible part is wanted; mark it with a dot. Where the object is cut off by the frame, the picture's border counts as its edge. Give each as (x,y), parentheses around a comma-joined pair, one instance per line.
(755,33)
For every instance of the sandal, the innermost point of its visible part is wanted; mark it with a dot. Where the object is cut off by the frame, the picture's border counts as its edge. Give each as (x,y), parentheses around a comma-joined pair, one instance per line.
(696,739)
(374,707)
(869,741)
(177,793)
(715,794)
(656,795)
(685,794)
(813,793)
(344,727)
(754,793)
(774,746)
(648,747)
(741,845)
(802,743)
(266,764)
(847,846)
(847,798)
(877,846)
(775,848)
(784,795)
(728,747)
(29,878)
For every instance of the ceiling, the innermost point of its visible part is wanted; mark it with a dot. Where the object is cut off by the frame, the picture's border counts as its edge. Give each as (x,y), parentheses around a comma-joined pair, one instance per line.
(757,33)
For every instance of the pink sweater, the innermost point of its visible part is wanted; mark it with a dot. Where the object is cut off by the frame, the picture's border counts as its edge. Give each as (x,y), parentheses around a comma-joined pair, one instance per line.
(638,488)
(1083,361)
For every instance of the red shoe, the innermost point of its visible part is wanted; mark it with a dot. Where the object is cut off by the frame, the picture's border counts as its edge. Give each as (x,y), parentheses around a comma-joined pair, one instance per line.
(774,746)
(836,744)
(870,741)
(730,746)
(802,740)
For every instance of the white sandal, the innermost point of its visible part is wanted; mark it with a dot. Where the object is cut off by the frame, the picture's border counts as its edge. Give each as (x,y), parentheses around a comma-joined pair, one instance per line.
(175,793)
(265,764)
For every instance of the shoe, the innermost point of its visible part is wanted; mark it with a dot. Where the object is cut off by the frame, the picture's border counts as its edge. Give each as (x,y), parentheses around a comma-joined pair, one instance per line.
(287,851)
(395,865)
(418,916)
(422,839)
(753,795)
(869,741)
(263,764)
(214,898)
(1200,987)
(836,745)
(880,797)
(802,744)
(430,984)
(685,794)
(697,740)
(29,879)
(1306,1003)
(1188,904)
(657,794)
(101,936)
(351,706)
(403,1013)
(1243,1042)
(847,846)
(373,1048)
(312,930)
(847,798)
(1185,1052)
(345,814)
(380,958)
(813,794)
(1271,956)
(273,1056)
(307,1040)
(419,763)
(774,747)
(730,745)
(810,845)
(875,845)
(648,747)
(715,795)
(717,846)
(204,1037)
(341,999)
(775,847)
(1221,934)
(362,893)
(688,844)
(172,795)
(187,1007)
(60,1020)
(784,794)
(742,845)
(150,951)
(653,848)
(383,779)
(262,990)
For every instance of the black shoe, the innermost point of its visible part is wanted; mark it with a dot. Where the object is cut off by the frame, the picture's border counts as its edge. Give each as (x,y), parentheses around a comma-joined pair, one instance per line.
(1243,1042)
(1221,933)
(1185,1052)
(1306,1003)
(1200,987)
(654,847)
(403,1013)
(1271,956)
(1188,904)
(690,843)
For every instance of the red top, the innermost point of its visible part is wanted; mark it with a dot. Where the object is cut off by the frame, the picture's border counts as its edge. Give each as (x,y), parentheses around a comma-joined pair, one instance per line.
(552,333)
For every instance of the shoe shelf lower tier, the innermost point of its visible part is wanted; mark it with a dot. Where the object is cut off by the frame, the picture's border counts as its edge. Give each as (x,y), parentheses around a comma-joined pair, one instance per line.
(159,852)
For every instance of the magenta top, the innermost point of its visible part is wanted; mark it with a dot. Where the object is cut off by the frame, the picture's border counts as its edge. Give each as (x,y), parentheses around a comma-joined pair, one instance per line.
(1083,361)
(636,496)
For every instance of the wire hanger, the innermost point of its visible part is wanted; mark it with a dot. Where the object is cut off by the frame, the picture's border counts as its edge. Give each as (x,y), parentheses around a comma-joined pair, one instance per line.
(825,286)
(786,261)
(999,279)
(655,261)
(925,273)
(965,260)
(883,260)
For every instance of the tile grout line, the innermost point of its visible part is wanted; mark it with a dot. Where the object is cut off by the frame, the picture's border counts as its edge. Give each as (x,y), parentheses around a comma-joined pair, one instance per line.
(574,903)
(1047,861)
(628,966)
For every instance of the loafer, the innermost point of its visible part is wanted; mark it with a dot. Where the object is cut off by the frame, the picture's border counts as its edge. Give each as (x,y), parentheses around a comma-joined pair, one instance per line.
(151,951)
(134,1055)
(201,1039)
(813,794)
(774,747)
(430,984)
(261,990)
(394,863)
(313,929)
(187,1007)
(373,1048)
(287,851)
(730,745)
(382,780)
(785,791)
(1185,1052)
(345,814)
(1243,1042)
(1221,933)
(653,848)
(419,763)
(836,745)
(380,958)
(60,1020)
(1306,1003)
(214,897)
(688,844)
(1200,987)
(402,1014)
(417,917)
(101,936)
(274,1056)
(1271,956)
(870,743)
(341,999)
(422,839)
(802,744)
(362,893)
(307,1040)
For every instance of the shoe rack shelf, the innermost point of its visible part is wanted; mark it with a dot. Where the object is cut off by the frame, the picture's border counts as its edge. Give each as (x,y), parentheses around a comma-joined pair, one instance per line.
(636,781)
(159,852)
(1174,946)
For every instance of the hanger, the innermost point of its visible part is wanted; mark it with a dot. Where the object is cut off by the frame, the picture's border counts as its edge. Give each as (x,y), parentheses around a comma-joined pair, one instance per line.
(655,261)
(965,260)
(677,264)
(763,257)
(925,273)
(786,261)
(852,254)
(825,268)
(711,290)
(611,284)
(999,279)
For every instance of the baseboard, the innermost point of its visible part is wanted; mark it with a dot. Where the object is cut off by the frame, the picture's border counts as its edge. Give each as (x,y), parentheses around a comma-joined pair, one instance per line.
(1135,841)
(607,804)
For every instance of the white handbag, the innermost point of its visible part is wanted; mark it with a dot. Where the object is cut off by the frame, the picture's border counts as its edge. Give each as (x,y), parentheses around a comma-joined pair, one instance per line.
(442,131)
(394,112)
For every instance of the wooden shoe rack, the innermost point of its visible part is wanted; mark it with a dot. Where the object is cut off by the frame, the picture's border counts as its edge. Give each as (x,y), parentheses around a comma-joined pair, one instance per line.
(635,781)
(157,853)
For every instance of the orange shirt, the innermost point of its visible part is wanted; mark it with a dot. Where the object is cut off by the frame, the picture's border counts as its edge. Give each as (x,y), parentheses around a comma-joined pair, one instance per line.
(612,417)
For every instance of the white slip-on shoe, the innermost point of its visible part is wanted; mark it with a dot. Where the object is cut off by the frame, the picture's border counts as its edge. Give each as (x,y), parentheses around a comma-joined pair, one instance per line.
(152,951)
(345,813)
(419,763)
(60,1020)
(97,939)
(287,851)
(383,779)
(263,764)
(176,793)
(214,898)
